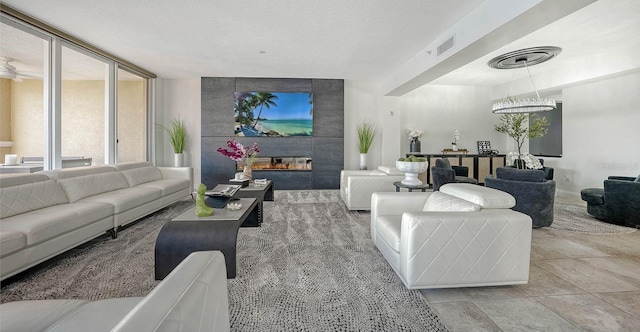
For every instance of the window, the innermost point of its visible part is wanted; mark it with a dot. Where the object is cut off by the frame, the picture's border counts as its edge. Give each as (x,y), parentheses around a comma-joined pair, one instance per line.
(59,98)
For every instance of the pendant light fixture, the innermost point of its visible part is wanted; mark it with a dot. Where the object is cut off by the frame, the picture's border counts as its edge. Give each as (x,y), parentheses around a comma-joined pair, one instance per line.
(518,59)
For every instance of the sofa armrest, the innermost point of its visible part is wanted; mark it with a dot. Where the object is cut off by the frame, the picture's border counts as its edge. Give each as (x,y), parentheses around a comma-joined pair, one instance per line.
(461,170)
(193,297)
(441,249)
(395,203)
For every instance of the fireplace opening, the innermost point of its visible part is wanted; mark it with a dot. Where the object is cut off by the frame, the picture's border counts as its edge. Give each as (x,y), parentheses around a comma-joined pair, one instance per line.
(279,163)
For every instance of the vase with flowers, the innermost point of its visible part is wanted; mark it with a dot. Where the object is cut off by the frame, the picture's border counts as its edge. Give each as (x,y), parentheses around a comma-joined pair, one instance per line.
(242,154)
(456,137)
(414,139)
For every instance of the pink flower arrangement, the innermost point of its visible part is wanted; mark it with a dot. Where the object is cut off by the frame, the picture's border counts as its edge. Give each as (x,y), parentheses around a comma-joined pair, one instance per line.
(238,152)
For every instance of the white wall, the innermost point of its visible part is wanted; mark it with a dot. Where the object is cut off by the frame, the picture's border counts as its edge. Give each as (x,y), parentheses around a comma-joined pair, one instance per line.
(438,110)
(181,98)
(362,102)
(600,134)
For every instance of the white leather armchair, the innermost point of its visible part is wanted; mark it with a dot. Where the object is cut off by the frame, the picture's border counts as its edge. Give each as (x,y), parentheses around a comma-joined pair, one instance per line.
(463,236)
(356,186)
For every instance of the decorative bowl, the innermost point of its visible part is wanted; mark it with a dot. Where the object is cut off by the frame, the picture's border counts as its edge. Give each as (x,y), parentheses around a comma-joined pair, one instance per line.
(411,170)
(234,206)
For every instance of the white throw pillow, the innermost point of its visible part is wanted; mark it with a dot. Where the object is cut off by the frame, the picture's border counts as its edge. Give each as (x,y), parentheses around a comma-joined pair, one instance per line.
(440,202)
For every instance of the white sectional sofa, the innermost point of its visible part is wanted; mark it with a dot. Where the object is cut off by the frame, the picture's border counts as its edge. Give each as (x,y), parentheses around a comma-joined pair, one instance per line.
(192,298)
(465,235)
(356,186)
(46,213)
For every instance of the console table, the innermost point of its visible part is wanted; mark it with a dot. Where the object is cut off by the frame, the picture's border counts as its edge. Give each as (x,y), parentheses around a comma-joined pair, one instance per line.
(480,165)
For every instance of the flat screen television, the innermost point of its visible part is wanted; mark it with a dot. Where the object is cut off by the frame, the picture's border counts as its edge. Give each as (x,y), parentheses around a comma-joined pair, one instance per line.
(273,114)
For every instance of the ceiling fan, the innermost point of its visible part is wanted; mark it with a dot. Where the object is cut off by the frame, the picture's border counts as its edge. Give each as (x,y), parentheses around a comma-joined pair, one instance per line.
(9,71)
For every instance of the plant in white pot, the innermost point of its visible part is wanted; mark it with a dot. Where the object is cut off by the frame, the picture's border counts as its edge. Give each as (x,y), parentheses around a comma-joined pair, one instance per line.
(178,139)
(366,134)
(519,126)
(412,166)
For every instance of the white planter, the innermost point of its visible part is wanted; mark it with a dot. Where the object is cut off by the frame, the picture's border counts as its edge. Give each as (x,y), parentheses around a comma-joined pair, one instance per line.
(454,147)
(178,160)
(363,161)
(411,171)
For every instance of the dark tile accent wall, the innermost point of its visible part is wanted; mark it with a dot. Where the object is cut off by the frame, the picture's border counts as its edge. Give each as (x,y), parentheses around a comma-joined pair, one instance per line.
(326,147)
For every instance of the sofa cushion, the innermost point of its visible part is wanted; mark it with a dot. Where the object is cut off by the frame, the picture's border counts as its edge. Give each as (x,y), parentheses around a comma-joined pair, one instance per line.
(46,223)
(487,198)
(36,315)
(11,241)
(136,176)
(16,179)
(32,196)
(168,186)
(131,165)
(390,170)
(57,174)
(441,202)
(388,228)
(515,174)
(90,185)
(126,199)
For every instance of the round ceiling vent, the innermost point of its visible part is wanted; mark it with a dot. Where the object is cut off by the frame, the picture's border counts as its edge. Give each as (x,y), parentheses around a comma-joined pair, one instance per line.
(530,56)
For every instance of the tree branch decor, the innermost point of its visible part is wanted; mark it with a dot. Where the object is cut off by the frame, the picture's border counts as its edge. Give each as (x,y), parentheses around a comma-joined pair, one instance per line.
(517,126)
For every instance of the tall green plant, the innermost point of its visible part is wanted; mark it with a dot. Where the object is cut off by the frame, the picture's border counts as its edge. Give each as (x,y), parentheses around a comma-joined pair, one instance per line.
(518,127)
(366,134)
(177,135)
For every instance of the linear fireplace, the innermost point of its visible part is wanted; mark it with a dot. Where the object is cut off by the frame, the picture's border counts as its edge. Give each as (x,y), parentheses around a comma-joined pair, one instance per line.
(279,164)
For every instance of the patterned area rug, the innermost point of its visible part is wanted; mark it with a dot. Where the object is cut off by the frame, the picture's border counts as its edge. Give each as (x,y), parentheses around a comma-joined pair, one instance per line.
(311,267)
(572,216)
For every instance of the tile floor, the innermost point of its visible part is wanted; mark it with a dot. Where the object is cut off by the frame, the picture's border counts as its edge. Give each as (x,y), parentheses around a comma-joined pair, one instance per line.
(577,282)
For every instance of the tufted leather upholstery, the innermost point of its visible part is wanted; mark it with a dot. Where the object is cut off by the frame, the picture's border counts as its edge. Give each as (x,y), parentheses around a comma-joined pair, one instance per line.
(356,186)
(447,248)
(192,298)
(47,213)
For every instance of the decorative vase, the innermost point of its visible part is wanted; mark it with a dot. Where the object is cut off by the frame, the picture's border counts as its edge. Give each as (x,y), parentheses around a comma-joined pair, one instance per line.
(178,160)
(247,173)
(454,147)
(411,170)
(363,161)
(414,145)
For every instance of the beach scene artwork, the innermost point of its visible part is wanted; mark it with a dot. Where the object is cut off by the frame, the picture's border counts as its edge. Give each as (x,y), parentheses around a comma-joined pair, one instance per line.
(273,114)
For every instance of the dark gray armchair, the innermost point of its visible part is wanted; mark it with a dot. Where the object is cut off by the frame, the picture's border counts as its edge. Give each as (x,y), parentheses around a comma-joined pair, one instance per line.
(444,173)
(534,194)
(618,203)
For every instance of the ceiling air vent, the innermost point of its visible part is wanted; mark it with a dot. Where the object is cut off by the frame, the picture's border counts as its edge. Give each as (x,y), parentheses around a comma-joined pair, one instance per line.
(445,46)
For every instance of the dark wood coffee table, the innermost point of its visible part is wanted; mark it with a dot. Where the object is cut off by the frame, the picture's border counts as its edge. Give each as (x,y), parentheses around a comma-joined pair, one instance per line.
(261,193)
(187,233)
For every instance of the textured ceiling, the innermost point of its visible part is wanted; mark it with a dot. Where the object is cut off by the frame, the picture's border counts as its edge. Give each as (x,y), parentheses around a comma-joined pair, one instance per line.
(363,40)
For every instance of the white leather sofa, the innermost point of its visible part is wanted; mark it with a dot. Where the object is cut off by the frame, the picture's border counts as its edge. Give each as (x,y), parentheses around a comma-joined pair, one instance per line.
(46,213)
(462,236)
(356,186)
(192,298)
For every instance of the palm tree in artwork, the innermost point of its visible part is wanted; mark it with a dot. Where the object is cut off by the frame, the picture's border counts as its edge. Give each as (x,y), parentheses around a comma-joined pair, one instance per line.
(263,99)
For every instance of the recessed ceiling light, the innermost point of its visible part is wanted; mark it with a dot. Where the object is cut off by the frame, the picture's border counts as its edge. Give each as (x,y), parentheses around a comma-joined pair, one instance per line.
(262,52)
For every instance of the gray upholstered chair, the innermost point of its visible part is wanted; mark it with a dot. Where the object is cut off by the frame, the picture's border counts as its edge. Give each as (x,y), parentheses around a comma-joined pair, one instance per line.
(618,203)
(534,194)
(443,172)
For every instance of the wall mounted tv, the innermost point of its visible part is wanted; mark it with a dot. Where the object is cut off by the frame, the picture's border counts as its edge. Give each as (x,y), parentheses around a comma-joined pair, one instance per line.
(273,114)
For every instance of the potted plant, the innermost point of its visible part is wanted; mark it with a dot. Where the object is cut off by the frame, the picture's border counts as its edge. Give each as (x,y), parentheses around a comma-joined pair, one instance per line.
(518,127)
(366,134)
(178,139)
(412,166)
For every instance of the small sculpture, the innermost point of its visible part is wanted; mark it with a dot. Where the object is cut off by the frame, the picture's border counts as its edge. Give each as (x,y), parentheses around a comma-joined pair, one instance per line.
(202,209)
